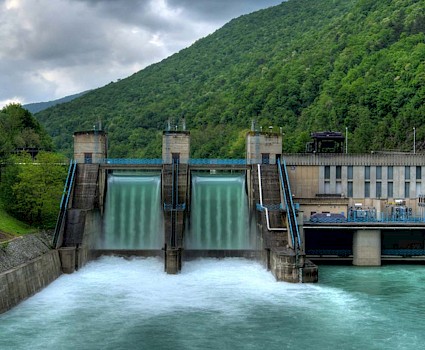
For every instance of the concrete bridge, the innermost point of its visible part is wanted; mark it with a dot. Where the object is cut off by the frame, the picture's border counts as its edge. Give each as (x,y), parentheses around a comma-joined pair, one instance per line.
(287,235)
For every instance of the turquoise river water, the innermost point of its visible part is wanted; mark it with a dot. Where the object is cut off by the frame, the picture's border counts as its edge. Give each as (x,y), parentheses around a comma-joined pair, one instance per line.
(116,303)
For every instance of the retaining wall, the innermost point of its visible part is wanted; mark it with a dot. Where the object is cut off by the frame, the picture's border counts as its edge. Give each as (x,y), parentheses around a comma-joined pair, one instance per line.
(25,280)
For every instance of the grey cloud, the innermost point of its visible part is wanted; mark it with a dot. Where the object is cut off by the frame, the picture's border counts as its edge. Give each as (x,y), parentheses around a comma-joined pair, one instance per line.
(54,48)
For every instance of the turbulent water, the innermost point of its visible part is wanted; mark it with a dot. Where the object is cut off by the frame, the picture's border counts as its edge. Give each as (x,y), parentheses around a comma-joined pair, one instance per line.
(219,213)
(133,212)
(115,303)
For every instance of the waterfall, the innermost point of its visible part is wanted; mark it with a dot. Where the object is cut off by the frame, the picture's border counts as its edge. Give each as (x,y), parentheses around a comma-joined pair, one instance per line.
(219,213)
(133,214)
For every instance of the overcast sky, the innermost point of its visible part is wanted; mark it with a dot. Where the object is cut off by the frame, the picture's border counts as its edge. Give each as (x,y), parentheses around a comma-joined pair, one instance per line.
(53,48)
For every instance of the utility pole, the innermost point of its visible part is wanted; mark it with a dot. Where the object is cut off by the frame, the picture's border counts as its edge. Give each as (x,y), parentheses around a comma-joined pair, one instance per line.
(414,140)
(346,140)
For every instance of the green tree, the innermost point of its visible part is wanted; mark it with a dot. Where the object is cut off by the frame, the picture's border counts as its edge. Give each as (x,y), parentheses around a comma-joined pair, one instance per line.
(33,189)
(19,129)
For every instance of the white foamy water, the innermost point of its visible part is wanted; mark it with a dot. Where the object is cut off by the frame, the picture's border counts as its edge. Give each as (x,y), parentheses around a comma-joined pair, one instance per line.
(114,303)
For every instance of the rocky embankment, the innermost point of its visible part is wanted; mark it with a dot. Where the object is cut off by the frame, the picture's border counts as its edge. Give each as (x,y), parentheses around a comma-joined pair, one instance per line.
(23,249)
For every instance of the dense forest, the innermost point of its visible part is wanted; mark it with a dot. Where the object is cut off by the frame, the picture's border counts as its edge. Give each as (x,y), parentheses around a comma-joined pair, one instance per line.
(305,65)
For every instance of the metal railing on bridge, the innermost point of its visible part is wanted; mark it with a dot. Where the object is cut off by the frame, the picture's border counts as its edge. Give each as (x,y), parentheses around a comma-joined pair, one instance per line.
(403,252)
(337,252)
(132,161)
(382,219)
(200,161)
(192,161)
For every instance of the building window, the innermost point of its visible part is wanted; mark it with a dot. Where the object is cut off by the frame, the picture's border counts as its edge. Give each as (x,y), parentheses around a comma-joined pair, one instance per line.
(418,173)
(407,190)
(418,189)
(327,187)
(367,189)
(265,158)
(327,172)
(88,158)
(338,171)
(390,190)
(390,174)
(407,172)
(338,187)
(350,189)
(378,189)
(350,172)
(367,172)
(378,173)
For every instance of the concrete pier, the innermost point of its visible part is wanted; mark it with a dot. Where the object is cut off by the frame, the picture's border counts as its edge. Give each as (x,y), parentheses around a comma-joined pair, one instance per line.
(367,248)
(67,258)
(173,261)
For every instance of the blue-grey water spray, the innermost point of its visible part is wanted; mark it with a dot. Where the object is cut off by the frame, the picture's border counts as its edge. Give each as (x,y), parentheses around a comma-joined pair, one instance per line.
(219,216)
(133,216)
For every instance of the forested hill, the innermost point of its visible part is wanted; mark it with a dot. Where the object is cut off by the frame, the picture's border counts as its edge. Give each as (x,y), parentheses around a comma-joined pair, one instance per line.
(39,106)
(305,65)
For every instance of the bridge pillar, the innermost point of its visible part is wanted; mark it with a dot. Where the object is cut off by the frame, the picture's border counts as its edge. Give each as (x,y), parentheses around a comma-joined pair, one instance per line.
(173,261)
(367,248)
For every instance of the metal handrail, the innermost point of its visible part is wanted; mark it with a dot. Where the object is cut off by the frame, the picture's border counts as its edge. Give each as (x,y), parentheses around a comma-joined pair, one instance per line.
(66,183)
(290,205)
(65,196)
(70,185)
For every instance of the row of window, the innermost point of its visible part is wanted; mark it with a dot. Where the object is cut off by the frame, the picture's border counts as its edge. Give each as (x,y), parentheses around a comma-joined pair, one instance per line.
(378,172)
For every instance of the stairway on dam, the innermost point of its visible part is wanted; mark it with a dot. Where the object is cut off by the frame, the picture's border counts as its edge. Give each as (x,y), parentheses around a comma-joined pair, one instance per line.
(82,197)
(271,198)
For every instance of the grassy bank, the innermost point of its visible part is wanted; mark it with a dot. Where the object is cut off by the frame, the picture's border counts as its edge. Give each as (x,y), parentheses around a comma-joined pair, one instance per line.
(11,226)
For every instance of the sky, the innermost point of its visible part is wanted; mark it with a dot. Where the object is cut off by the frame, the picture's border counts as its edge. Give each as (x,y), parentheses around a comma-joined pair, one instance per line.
(54,48)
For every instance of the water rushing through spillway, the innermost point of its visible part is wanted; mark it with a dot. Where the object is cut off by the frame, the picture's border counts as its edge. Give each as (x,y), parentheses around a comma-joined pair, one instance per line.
(133,215)
(114,303)
(219,217)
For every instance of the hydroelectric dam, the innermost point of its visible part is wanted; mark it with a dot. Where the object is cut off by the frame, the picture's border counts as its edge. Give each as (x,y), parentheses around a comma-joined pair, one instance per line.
(288,211)
(181,208)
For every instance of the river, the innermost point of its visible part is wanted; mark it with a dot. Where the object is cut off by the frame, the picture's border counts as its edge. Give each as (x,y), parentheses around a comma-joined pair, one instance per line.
(117,303)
